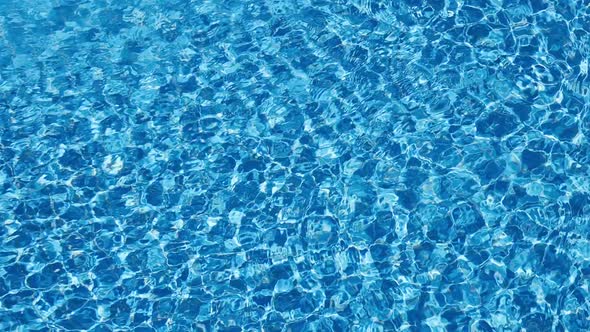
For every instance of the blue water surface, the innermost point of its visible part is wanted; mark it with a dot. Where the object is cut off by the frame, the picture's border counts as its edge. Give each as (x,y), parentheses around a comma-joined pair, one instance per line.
(294,165)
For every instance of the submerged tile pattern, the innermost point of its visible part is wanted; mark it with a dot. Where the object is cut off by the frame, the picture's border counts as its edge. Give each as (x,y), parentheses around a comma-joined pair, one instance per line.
(294,165)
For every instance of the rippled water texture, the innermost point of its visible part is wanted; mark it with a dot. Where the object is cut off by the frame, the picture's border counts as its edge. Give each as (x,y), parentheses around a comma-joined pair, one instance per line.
(294,165)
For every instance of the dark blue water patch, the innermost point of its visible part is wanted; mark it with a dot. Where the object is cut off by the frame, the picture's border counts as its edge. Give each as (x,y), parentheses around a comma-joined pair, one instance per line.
(533,159)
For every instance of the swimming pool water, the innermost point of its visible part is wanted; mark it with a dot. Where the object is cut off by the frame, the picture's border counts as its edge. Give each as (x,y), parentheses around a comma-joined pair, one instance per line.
(294,165)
